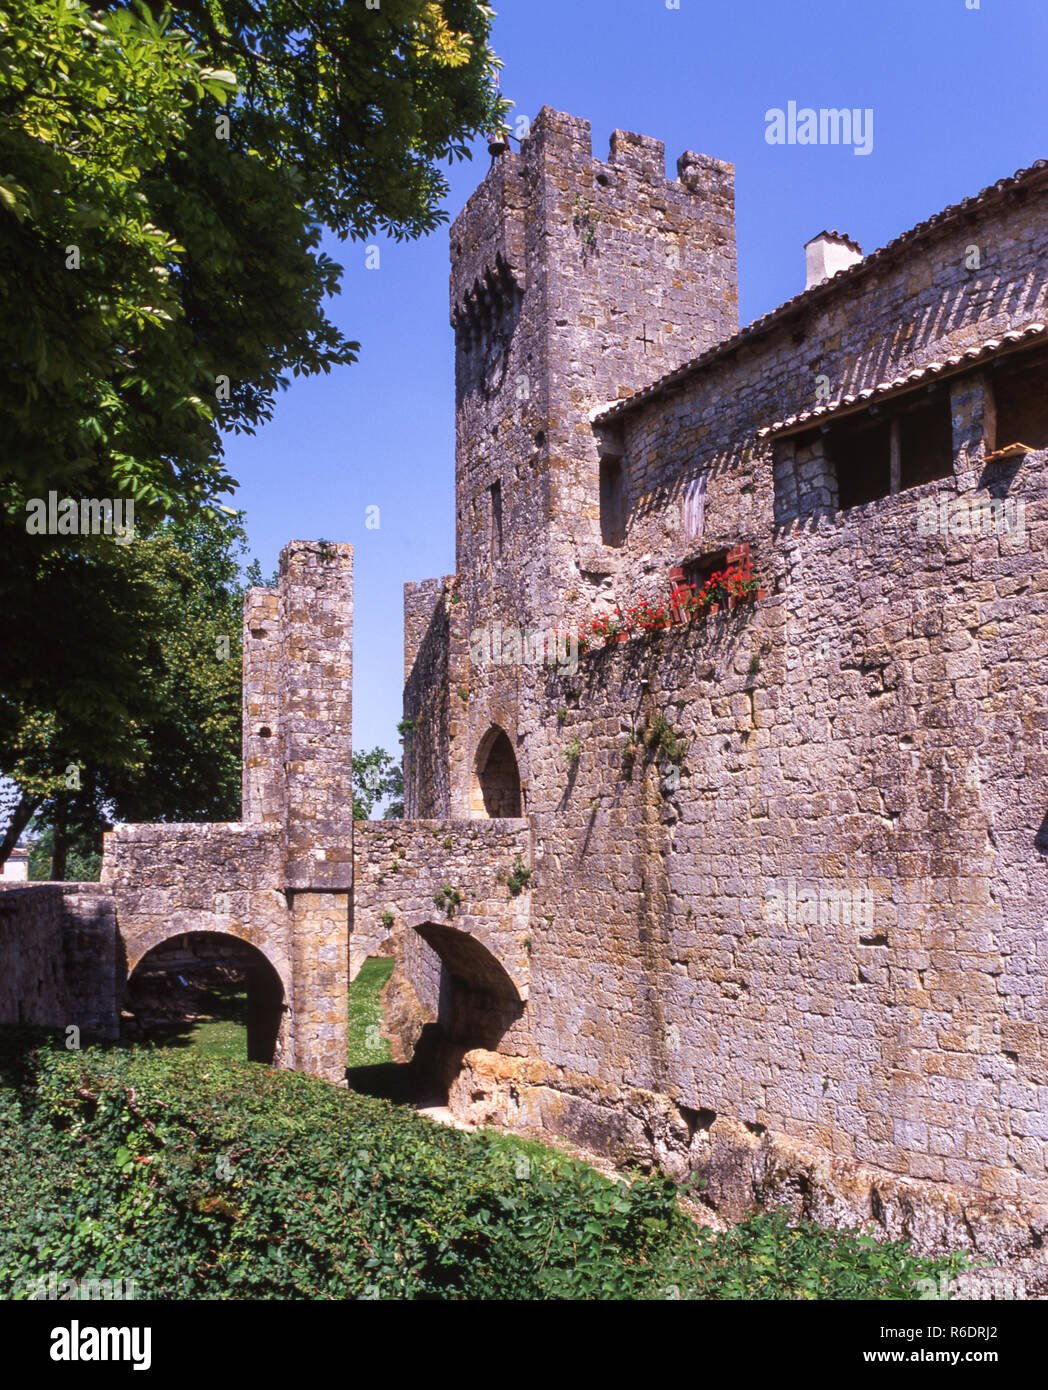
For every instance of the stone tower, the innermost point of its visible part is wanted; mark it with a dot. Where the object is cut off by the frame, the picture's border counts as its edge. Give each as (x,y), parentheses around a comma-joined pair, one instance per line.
(574,281)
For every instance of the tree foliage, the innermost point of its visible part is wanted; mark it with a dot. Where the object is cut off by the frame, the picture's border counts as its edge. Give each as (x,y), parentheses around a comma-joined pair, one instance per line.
(376,777)
(83,858)
(164,241)
(94,392)
(365,102)
(165,178)
(149,729)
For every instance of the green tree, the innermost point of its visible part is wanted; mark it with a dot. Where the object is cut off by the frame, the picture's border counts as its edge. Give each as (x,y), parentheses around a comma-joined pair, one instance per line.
(83,860)
(163,244)
(161,281)
(163,744)
(189,729)
(366,102)
(93,391)
(376,776)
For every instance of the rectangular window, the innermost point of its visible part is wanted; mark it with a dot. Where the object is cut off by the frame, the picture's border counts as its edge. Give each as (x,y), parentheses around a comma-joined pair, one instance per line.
(697,571)
(1020,392)
(898,448)
(860,449)
(496,521)
(925,443)
(612,502)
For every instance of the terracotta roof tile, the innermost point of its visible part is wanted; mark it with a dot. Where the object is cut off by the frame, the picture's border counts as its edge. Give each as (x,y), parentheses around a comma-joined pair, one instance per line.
(768,321)
(947,367)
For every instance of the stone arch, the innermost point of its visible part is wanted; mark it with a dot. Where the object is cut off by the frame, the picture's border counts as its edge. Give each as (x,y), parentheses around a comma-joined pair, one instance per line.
(477,1000)
(496,790)
(267,1011)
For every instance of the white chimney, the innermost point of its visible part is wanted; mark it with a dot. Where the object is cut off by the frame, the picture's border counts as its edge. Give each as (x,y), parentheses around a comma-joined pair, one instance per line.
(827,253)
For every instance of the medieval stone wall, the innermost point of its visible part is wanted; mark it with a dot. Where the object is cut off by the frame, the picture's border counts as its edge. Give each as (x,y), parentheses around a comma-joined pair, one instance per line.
(873,736)
(262,797)
(32,977)
(316,718)
(773,907)
(572,277)
(95,965)
(916,307)
(59,957)
(170,880)
(821,920)
(428,701)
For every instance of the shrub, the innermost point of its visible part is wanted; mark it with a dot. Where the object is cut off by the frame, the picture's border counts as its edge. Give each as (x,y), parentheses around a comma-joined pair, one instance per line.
(519,879)
(659,737)
(447,899)
(208,1179)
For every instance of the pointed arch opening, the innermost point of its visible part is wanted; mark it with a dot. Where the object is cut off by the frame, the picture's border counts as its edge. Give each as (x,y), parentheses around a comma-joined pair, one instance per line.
(496,789)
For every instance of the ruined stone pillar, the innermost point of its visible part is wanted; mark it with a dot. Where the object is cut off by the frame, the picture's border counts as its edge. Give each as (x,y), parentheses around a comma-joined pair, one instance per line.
(316,624)
(320,966)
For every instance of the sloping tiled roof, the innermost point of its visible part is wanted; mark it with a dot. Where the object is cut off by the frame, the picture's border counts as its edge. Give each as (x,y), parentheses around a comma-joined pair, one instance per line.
(766,322)
(1017,337)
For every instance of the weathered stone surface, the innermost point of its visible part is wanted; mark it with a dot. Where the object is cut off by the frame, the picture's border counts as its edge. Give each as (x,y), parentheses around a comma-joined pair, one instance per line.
(60,963)
(799,947)
(870,732)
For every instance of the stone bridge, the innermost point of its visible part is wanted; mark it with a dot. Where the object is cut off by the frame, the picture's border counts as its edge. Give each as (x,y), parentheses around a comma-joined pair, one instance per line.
(295,894)
(441,889)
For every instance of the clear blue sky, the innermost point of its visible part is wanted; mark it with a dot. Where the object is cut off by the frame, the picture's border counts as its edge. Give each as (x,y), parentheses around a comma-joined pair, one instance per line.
(959,101)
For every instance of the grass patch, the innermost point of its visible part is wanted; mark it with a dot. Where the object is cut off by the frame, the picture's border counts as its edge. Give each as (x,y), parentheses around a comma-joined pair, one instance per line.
(221,1033)
(367,1048)
(220,1038)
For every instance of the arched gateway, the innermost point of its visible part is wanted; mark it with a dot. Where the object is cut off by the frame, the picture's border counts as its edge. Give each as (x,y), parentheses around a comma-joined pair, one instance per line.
(168,978)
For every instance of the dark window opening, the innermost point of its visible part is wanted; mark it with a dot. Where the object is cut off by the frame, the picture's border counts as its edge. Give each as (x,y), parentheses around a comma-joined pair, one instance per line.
(698,570)
(498,777)
(496,521)
(612,502)
(875,456)
(925,444)
(1021,399)
(860,450)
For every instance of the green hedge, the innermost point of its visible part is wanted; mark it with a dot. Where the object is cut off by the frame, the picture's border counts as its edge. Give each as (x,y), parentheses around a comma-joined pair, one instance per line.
(200,1178)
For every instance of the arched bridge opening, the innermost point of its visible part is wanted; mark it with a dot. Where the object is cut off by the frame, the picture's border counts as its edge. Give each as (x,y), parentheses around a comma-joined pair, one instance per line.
(448,995)
(476,999)
(207,976)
